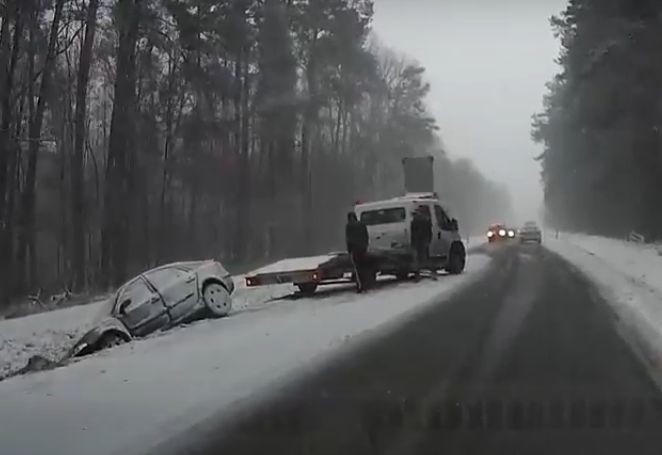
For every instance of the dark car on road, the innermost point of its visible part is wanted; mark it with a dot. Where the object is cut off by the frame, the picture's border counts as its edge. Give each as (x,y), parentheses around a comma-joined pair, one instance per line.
(159,299)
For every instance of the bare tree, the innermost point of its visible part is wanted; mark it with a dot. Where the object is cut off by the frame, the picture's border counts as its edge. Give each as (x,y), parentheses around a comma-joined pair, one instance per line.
(77,170)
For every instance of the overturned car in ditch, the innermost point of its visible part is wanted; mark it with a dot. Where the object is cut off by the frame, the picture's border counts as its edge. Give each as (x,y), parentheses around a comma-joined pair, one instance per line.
(160,299)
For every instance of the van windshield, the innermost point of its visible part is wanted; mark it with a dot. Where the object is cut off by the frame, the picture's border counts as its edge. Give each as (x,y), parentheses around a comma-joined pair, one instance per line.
(383,216)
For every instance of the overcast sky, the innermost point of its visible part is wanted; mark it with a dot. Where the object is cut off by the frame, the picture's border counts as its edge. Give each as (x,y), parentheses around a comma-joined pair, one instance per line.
(488,62)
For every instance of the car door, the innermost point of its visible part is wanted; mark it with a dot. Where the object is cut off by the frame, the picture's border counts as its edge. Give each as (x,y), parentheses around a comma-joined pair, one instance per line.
(444,232)
(139,308)
(178,287)
(434,243)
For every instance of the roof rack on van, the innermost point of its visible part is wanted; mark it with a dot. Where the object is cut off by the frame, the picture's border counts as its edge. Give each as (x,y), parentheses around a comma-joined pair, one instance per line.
(429,195)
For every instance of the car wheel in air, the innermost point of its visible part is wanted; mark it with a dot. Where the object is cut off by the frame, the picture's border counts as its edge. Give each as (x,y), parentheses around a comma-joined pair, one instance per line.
(217,299)
(307,288)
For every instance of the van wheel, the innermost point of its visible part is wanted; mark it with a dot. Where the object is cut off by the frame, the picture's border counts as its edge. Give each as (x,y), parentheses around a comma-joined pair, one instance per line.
(457,260)
(402,275)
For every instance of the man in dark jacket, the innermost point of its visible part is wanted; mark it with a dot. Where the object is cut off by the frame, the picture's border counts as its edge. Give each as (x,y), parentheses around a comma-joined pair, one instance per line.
(421,236)
(356,237)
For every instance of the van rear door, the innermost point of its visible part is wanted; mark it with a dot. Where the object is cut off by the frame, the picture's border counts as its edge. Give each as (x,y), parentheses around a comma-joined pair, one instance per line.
(388,227)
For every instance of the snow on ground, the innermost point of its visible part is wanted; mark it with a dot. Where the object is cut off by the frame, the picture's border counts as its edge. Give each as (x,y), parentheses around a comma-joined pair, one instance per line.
(629,276)
(48,334)
(52,334)
(137,395)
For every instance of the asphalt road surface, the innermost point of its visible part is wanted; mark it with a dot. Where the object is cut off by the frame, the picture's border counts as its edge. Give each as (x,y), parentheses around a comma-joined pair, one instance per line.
(528,361)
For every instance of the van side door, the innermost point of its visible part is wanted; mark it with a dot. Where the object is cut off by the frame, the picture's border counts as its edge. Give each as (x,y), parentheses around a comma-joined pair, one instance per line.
(444,233)
(435,249)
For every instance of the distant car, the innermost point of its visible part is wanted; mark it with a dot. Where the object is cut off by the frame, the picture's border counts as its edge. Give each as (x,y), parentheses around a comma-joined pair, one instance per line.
(530,232)
(159,299)
(500,232)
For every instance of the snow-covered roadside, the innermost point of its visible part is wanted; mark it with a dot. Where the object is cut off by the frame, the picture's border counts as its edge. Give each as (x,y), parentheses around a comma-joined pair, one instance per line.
(52,334)
(134,396)
(629,276)
(641,262)
(47,334)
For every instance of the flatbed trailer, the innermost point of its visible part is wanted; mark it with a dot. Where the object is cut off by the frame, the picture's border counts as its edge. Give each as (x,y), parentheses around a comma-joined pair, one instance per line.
(308,273)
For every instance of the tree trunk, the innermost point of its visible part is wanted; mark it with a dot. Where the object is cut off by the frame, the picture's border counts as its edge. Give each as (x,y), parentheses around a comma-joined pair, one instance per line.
(169,133)
(8,59)
(336,134)
(244,170)
(308,133)
(26,237)
(78,242)
(117,196)
(240,229)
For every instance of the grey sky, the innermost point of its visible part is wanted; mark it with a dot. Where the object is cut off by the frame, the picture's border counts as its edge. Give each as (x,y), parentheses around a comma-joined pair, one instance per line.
(488,62)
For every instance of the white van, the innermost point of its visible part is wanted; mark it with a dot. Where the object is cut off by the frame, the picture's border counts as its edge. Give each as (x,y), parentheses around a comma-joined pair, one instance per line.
(389,222)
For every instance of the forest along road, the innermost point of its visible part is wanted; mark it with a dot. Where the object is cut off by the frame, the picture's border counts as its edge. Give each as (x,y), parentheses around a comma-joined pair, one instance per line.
(527,361)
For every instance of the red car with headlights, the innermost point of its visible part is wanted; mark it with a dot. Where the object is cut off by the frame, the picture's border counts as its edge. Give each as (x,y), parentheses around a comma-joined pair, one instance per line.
(500,232)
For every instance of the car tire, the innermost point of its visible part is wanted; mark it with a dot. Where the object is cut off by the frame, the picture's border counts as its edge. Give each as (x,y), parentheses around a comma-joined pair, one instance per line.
(457,260)
(402,275)
(217,299)
(307,289)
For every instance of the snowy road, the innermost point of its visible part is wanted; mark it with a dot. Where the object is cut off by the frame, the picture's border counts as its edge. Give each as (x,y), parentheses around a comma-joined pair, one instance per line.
(530,360)
(131,398)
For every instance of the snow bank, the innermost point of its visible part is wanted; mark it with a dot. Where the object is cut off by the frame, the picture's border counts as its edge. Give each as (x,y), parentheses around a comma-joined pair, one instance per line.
(640,262)
(51,334)
(136,395)
(629,276)
(48,334)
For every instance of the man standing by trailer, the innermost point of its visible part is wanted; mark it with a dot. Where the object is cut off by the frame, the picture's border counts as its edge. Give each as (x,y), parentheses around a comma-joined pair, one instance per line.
(421,236)
(356,237)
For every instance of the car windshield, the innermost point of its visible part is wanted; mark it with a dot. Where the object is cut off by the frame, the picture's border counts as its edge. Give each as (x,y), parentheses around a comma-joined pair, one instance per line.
(384,216)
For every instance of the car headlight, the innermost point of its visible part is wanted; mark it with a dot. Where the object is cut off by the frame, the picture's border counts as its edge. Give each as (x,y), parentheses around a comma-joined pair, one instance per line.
(511,233)
(77,349)
(490,234)
(502,232)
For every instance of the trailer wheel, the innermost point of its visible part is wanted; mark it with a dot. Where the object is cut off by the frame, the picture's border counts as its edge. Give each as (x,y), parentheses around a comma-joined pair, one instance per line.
(307,288)
(402,275)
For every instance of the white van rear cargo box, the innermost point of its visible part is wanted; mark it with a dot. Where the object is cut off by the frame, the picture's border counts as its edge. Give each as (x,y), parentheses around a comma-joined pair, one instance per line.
(419,174)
